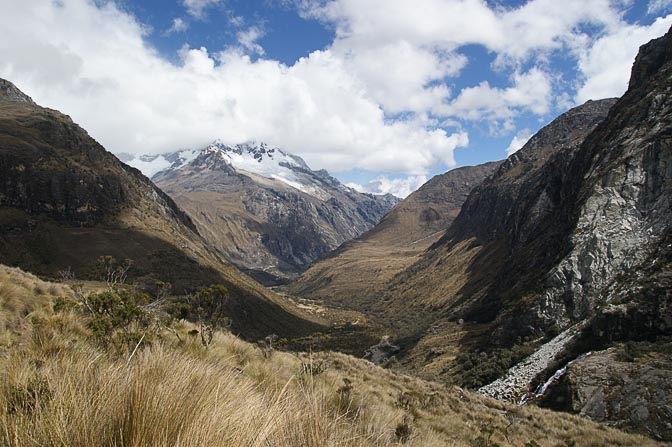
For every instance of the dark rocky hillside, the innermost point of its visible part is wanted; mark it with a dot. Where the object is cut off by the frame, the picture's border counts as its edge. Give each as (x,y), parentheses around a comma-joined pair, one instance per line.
(565,250)
(472,269)
(65,201)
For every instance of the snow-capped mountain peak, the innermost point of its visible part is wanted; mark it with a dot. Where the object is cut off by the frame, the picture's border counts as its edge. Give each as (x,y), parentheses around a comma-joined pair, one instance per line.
(150,165)
(266,161)
(251,158)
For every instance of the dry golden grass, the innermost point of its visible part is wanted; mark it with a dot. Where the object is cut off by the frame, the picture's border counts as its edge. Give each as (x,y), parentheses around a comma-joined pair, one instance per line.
(59,389)
(22,294)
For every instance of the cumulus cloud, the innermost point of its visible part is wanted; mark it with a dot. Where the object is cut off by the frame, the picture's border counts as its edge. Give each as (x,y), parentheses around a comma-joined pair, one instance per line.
(427,35)
(518,141)
(93,59)
(399,75)
(178,26)
(448,24)
(531,91)
(605,65)
(400,187)
(197,8)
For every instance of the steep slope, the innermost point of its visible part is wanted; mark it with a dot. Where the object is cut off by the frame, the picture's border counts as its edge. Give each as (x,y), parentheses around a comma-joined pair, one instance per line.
(265,209)
(65,201)
(355,273)
(571,237)
(465,263)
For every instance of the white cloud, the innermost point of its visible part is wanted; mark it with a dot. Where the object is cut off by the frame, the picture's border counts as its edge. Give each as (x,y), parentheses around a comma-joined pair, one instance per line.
(404,53)
(398,74)
(178,26)
(547,25)
(197,8)
(374,99)
(95,65)
(657,6)
(606,64)
(400,187)
(518,141)
(248,39)
(531,91)
(448,24)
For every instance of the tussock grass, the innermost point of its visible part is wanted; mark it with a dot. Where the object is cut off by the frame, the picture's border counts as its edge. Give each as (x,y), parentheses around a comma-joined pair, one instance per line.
(23,296)
(58,388)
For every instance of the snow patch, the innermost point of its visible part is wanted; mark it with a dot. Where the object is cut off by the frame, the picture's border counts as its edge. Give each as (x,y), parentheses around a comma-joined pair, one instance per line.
(150,165)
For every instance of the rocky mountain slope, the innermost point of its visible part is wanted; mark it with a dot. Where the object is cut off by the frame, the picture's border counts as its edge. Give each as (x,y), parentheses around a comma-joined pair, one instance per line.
(263,209)
(627,386)
(570,237)
(507,234)
(356,272)
(65,201)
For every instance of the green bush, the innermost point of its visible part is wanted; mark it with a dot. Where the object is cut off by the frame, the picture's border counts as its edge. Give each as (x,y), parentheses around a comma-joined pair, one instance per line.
(117,316)
(480,368)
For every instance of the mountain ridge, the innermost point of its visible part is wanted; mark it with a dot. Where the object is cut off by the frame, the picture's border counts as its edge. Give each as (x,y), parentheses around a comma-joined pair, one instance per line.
(65,201)
(265,210)
(566,249)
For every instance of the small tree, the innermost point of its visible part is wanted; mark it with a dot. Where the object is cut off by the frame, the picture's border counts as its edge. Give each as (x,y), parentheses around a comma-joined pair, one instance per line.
(113,272)
(208,305)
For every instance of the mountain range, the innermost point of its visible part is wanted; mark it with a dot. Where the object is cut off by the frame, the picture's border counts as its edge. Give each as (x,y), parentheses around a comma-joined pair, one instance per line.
(262,208)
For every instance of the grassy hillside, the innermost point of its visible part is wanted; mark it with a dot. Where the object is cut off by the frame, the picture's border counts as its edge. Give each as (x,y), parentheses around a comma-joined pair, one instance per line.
(356,273)
(61,387)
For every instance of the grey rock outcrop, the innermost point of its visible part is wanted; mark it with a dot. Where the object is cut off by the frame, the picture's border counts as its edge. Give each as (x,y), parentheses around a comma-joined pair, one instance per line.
(10,93)
(631,395)
(382,351)
(515,384)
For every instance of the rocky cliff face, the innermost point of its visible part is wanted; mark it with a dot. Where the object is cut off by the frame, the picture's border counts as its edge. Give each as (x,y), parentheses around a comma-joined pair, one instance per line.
(508,232)
(570,236)
(622,211)
(65,201)
(617,275)
(628,386)
(266,210)
(565,249)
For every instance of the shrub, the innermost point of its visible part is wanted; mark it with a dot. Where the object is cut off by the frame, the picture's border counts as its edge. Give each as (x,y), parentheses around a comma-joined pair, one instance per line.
(403,430)
(117,316)
(208,305)
(481,368)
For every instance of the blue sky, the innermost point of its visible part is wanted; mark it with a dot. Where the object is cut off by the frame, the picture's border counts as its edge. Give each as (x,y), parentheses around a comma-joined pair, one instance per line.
(382,93)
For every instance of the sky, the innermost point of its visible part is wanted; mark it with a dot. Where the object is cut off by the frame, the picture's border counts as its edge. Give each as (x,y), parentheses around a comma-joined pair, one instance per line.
(383,94)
